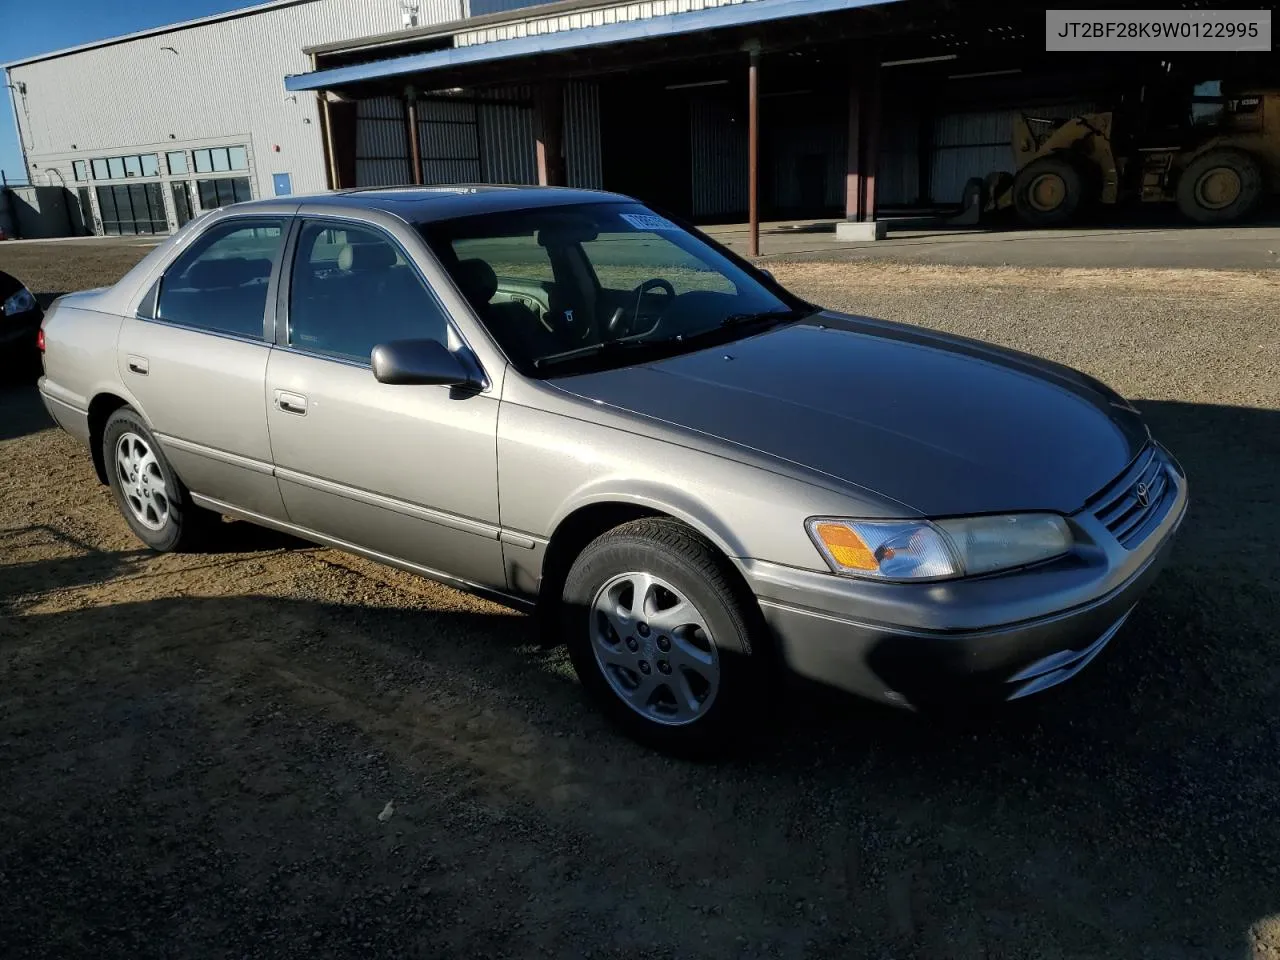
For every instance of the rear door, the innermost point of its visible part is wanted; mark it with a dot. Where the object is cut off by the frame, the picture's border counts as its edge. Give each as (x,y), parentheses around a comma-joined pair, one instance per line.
(407,472)
(196,359)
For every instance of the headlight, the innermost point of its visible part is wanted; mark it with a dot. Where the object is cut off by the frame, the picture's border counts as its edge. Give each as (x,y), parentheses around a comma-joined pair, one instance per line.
(938,550)
(20,302)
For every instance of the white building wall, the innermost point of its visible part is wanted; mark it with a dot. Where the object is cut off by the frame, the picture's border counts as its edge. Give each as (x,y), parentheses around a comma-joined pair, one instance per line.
(224,85)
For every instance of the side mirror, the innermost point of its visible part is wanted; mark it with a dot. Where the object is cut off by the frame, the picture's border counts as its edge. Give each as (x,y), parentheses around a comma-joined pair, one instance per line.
(418,362)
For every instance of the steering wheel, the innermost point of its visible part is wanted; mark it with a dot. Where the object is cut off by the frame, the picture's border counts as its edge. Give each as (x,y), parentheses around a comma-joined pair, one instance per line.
(616,327)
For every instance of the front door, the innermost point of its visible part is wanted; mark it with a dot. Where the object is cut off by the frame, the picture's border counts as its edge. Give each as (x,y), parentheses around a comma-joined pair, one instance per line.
(197,362)
(405,472)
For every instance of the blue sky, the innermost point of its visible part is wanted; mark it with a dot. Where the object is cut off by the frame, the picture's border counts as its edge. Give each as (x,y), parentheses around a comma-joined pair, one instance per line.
(29,27)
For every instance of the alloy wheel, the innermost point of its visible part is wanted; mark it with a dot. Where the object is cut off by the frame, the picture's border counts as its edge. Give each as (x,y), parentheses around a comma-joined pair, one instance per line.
(654,648)
(142,481)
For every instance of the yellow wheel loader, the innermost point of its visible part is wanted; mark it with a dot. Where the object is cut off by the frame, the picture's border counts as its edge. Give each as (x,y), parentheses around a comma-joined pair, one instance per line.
(1217,162)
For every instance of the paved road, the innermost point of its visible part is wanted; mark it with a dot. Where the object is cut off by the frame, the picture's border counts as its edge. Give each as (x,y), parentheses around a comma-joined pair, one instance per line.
(1213,248)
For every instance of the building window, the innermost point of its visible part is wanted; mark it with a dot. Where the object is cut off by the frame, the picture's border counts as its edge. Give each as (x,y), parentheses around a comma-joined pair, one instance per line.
(80,169)
(115,165)
(221,159)
(132,208)
(100,170)
(132,166)
(150,165)
(177,161)
(222,191)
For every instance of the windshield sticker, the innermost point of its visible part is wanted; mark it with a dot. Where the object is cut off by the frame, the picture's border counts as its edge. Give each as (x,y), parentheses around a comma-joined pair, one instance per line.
(648,221)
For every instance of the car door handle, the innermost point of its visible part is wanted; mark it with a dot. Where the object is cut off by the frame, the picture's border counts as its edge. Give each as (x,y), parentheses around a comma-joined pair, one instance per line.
(138,364)
(294,403)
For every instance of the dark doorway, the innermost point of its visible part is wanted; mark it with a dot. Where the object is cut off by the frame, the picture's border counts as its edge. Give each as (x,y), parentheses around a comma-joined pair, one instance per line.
(181,201)
(86,211)
(644,143)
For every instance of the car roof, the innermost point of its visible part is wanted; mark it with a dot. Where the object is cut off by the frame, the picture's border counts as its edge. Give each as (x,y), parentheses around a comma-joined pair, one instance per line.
(445,201)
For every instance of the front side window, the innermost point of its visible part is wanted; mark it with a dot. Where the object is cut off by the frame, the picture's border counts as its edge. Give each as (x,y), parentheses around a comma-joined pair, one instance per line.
(570,288)
(352,288)
(220,282)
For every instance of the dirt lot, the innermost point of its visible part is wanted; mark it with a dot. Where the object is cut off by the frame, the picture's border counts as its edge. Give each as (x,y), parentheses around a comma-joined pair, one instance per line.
(195,750)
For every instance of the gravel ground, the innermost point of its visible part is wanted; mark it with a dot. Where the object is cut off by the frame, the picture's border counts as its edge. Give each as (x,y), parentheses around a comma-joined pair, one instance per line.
(279,751)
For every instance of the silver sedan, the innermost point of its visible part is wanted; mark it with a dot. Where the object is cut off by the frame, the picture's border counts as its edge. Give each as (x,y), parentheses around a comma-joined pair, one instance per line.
(568,402)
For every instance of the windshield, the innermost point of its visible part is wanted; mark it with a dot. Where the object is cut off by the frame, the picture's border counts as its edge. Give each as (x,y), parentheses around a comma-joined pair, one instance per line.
(568,288)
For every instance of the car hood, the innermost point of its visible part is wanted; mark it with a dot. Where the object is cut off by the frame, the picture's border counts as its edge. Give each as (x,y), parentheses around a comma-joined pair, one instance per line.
(944,425)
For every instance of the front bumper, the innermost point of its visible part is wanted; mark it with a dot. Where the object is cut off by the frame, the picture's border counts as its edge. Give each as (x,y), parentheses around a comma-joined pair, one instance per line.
(994,638)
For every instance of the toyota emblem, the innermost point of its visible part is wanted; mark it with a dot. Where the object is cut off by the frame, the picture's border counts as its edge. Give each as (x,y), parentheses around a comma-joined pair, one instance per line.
(1142,493)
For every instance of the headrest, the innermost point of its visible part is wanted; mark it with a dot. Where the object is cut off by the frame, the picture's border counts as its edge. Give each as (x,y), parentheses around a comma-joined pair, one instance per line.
(478,281)
(366,256)
(225,272)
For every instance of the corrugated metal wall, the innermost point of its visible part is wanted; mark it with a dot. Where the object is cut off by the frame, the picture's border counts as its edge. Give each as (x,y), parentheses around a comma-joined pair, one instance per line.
(898,166)
(506,137)
(448,142)
(719,158)
(222,86)
(582,135)
(587,18)
(382,157)
(806,158)
(975,144)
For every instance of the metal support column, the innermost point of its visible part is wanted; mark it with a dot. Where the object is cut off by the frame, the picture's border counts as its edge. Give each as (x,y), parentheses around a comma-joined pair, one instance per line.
(411,133)
(549,134)
(864,145)
(753,150)
(330,160)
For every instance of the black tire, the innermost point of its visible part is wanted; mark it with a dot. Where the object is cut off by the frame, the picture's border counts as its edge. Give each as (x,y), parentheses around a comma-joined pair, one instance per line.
(1200,201)
(1055,180)
(679,556)
(183,526)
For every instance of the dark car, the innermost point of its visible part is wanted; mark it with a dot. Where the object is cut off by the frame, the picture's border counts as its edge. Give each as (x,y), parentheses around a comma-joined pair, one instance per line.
(20,317)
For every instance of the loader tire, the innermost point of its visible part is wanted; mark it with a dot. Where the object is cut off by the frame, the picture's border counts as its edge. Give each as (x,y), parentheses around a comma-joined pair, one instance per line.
(1049,192)
(1222,186)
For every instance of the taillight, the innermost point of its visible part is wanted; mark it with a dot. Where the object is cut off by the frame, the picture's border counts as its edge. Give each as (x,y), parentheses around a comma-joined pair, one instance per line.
(40,340)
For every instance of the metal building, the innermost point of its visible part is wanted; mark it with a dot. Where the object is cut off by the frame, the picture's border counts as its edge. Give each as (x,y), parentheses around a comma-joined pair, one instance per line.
(711,109)
(149,128)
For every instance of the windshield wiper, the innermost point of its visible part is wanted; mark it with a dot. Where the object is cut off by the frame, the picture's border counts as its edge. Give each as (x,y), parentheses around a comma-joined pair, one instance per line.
(769,317)
(592,350)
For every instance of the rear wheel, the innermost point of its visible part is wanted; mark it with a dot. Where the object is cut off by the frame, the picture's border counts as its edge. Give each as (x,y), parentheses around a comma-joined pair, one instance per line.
(1220,187)
(1049,192)
(154,502)
(661,637)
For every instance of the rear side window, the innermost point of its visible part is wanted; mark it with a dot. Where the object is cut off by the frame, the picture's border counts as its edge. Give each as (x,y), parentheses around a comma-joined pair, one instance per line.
(352,289)
(220,283)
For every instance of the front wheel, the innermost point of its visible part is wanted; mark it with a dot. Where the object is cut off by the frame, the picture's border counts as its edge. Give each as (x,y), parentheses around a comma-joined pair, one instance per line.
(154,501)
(1221,186)
(662,637)
(1050,192)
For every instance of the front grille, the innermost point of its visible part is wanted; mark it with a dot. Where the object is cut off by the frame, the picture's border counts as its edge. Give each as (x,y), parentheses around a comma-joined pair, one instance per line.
(1121,510)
